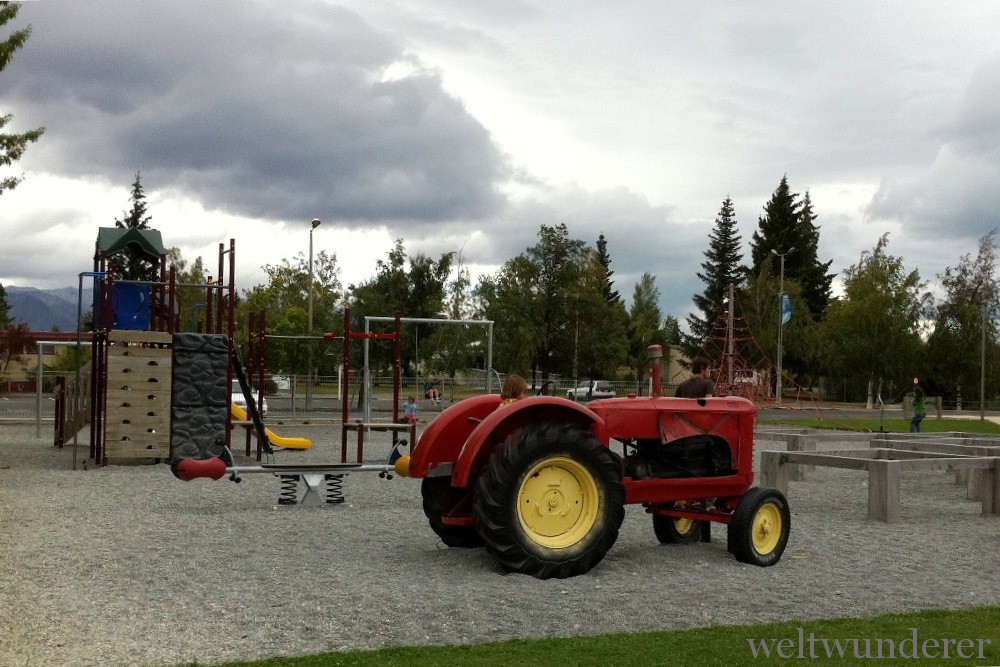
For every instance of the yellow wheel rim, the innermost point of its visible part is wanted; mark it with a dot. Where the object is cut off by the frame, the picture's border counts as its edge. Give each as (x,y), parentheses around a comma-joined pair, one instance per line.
(683,526)
(557,503)
(766,528)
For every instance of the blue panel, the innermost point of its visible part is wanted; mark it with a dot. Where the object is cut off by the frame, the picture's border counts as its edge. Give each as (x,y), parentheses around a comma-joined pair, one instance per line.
(131,306)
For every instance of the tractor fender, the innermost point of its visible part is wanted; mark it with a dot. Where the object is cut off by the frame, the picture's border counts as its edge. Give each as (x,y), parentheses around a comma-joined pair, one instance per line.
(444,436)
(494,429)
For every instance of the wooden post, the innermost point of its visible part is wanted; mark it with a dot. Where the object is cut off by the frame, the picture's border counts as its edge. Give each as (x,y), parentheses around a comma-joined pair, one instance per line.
(990,489)
(774,472)
(883,490)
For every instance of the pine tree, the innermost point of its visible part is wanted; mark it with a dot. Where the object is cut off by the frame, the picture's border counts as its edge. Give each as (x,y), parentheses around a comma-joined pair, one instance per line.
(12,146)
(136,267)
(787,227)
(722,267)
(814,279)
(610,294)
(136,218)
(777,229)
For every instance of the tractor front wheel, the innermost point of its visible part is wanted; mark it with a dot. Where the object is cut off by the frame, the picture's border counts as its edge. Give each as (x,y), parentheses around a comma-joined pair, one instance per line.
(440,498)
(673,530)
(759,529)
(550,501)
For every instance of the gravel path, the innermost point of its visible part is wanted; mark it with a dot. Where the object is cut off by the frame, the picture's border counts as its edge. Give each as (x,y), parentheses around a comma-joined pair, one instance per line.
(127,566)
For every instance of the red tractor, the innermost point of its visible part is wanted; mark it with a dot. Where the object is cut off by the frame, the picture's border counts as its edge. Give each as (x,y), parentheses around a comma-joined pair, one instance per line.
(538,483)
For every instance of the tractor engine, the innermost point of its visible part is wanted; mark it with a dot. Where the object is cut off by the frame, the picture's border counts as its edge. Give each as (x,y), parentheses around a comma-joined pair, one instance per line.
(693,456)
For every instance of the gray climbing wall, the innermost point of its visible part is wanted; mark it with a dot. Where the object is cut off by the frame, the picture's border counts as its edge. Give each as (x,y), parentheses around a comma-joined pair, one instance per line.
(200,395)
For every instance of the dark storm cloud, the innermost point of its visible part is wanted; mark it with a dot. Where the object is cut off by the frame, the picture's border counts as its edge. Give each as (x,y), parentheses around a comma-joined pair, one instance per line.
(268,110)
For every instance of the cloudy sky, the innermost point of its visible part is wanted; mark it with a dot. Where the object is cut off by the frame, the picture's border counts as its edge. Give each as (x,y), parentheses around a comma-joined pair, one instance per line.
(465,125)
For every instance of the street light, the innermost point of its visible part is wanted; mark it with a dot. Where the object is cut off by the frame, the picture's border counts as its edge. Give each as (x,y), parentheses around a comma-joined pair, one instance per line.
(315,223)
(781,292)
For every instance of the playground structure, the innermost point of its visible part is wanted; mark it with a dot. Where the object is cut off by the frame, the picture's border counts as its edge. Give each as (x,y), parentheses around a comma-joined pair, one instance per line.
(127,394)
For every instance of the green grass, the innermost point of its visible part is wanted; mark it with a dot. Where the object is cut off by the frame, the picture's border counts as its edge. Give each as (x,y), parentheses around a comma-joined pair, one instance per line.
(929,425)
(706,647)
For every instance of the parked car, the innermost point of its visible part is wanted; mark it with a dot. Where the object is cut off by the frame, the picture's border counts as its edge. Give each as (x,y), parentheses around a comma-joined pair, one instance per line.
(591,391)
(236,396)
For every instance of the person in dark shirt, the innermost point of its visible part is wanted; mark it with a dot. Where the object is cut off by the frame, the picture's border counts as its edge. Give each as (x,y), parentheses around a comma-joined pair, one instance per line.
(698,385)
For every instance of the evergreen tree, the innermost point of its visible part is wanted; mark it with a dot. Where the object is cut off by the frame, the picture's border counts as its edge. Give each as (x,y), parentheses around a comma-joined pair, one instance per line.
(787,227)
(722,267)
(814,279)
(136,267)
(610,294)
(777,229)
(12,146)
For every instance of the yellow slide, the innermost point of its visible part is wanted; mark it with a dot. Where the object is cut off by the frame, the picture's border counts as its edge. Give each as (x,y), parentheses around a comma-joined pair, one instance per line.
(240,414)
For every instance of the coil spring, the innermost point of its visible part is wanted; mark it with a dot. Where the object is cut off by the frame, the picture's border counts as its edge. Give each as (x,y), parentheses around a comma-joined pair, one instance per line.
(334,489)
(288,495)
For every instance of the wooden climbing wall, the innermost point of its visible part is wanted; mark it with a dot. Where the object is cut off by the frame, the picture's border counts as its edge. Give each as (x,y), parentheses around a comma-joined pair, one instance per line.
(137,418)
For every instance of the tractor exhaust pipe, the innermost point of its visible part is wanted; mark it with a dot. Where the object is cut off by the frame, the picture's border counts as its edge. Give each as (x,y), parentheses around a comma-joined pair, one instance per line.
(654,355)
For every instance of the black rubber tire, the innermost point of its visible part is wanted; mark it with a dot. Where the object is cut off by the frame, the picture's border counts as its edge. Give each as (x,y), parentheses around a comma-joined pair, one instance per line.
(667,532)
(740,536)
(440,497)
(498,487)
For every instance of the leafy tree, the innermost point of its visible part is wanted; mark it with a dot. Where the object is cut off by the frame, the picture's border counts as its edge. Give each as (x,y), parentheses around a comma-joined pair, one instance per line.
(600,322)
(722,267)
(538,298)
(285,300)
(191,301)
(875,328)
(416,286)
(457,344)
(12,146)
(645,322)
(787,227)
(671,331)
(966,315)
(136,266)
(759,303)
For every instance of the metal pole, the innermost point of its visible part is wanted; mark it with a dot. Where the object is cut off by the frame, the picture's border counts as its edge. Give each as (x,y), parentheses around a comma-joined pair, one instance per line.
(315,223)
(781,290)
(982,371)
(79,327)
(781,293)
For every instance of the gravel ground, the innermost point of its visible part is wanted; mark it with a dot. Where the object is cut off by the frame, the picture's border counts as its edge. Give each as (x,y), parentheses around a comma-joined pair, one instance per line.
(127,566)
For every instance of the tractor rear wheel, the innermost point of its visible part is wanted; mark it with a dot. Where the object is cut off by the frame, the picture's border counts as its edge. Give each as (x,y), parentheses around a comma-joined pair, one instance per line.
(550,501)
(673,530)
(759,529)
(440,497)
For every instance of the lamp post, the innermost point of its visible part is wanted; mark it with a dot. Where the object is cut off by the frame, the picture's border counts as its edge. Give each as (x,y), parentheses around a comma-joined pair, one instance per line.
(781,292)
(315,223)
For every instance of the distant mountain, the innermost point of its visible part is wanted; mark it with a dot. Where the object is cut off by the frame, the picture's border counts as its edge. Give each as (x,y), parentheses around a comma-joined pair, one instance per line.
(46,310)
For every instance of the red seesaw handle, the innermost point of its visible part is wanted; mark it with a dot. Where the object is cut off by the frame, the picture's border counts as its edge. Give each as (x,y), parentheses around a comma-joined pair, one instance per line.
(188,469)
